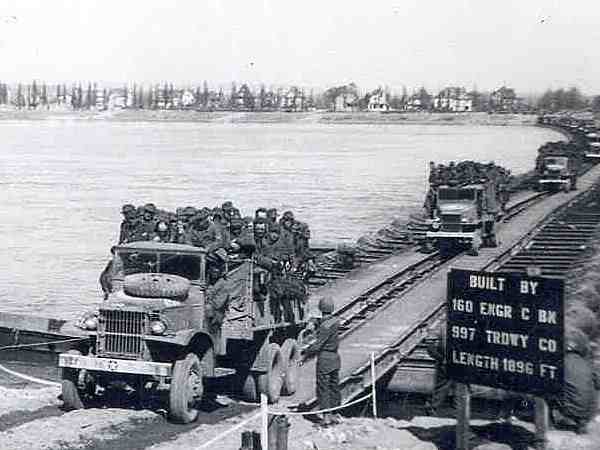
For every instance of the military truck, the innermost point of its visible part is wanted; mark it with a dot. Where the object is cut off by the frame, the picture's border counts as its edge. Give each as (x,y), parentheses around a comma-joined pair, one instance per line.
(557,167)
(465,217)
(593,143)
(165,329)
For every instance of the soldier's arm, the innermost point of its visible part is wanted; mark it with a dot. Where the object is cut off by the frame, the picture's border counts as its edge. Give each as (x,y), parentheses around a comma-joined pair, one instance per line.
(324,332)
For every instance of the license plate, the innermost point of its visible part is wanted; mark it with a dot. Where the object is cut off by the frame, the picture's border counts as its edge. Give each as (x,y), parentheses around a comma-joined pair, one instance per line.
(114,365)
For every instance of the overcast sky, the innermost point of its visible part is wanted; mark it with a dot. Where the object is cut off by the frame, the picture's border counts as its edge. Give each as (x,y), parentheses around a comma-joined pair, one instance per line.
(531,45)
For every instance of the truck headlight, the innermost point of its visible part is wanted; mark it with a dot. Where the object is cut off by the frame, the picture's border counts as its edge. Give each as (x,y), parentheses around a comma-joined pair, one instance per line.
(89,322)
(158,327)
(464,220)
(436,224)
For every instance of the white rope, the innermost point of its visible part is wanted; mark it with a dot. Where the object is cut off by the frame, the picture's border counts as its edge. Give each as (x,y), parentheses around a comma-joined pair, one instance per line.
(320,411)
(28,377)
(231,430)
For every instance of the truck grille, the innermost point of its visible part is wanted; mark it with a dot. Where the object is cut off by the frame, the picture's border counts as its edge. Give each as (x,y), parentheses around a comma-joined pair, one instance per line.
(450,218)
(120,333)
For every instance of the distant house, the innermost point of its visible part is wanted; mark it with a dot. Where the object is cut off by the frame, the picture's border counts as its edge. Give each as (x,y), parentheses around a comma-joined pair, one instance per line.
(292,100)
(188,98)
(378,101)
(504,100)
(453,99)
(117,98)
(346,102)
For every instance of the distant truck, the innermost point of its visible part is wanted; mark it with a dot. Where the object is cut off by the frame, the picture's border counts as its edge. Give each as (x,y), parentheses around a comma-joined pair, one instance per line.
(164,327)
(466,217)
(557,167)
(593,145)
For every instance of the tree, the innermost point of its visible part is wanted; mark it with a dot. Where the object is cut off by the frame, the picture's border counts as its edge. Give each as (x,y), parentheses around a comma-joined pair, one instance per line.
(33,99)
(74,97)
(88,96)
(44,96)
(205,94)
(233,96)
(141,97)
(134,96)
(596,104)
(424,99)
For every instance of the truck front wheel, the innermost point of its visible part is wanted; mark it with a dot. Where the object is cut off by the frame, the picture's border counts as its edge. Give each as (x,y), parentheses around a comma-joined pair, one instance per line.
(73,397)
(187,387)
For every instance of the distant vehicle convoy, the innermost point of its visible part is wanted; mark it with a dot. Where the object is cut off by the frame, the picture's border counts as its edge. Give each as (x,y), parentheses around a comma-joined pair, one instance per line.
(467,199)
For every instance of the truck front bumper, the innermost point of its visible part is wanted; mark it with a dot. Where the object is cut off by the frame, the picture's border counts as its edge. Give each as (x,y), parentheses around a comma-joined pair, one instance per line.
(550,181)
(114,365)
(450,234)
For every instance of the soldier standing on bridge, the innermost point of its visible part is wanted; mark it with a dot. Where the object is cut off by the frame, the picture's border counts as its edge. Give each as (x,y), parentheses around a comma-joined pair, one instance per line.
(328,361)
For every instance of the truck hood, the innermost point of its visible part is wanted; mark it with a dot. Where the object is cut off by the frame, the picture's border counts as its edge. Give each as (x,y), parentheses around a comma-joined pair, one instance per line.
(120,300)
(456,208)
(555,167)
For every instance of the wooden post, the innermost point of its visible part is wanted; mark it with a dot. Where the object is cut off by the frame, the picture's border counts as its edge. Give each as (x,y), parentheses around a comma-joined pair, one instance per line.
(541,423)
(264,431)
(463,416)
(374,383)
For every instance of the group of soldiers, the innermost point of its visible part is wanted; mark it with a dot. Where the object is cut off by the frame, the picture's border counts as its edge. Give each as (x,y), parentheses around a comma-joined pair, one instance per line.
(464,173)
(280,245)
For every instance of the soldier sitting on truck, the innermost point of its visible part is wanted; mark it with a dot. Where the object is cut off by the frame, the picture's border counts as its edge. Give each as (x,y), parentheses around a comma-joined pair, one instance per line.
(145,231)
(129,225)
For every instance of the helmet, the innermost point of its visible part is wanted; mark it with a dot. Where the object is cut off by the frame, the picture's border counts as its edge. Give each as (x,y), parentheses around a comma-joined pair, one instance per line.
(150,208)
(576,341)
(288,215)
(226,206)
(326,305)
(261,213)
(162,227)
(188,211)
(127,208)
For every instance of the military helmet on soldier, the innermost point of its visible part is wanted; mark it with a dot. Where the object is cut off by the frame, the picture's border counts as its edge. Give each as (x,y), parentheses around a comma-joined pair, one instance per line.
(150,208)
(128,208)
(576,341)
(326,305)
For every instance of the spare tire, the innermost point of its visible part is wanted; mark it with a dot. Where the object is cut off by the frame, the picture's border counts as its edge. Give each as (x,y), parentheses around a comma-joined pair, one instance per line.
(156,285)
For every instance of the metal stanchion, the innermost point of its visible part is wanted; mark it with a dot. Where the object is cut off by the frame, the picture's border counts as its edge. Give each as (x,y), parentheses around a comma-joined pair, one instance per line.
(373,381)
(264,431)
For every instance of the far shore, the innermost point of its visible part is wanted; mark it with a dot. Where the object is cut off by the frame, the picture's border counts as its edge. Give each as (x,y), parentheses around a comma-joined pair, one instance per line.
(322,117)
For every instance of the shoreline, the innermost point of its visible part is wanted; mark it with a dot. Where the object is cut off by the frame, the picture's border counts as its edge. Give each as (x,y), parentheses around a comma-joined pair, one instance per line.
(313,117)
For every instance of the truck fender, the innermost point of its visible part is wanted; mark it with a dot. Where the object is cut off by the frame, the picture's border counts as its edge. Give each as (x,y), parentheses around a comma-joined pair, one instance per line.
(198,341)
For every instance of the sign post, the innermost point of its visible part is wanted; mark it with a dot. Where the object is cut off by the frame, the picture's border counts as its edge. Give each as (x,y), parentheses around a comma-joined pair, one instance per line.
(505,331)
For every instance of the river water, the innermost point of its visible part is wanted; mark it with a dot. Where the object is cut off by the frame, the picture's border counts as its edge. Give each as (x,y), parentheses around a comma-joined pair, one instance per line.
(63,183)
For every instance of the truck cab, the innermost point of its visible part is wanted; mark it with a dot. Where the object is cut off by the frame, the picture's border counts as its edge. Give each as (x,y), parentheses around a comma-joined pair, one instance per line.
(464,217)
(557,172)
(593,145)
(168,322)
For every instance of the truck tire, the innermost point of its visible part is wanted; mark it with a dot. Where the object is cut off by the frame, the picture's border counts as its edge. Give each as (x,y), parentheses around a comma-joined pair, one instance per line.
(249,388)
(445,247)
(566,187)
(71,395)
(270,383)
(187,388)
(574,184)
(290,356)
(156,285)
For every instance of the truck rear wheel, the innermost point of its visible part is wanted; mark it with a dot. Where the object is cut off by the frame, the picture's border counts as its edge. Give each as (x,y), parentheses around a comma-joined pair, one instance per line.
(567,186)
(187,388)
(270,383)
(290,361)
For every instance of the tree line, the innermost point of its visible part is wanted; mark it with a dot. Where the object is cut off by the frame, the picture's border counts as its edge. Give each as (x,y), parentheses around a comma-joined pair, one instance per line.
(166,96)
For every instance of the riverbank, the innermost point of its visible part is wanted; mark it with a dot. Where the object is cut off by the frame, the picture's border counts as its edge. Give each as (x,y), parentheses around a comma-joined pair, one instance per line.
(324,117)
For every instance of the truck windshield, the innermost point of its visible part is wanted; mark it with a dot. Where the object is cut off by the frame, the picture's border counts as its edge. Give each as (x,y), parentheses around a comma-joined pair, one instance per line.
(556,160)
(456,194)
(187,266)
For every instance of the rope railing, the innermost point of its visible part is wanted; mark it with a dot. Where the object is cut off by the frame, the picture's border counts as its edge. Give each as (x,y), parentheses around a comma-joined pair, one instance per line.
(30,378)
